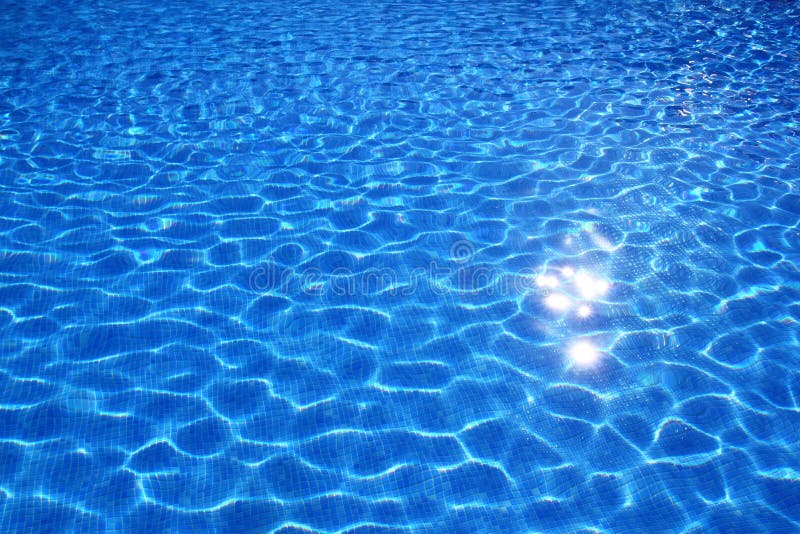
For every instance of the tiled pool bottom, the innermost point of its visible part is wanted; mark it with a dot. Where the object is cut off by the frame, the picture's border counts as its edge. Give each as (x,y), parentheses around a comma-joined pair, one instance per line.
(399,266)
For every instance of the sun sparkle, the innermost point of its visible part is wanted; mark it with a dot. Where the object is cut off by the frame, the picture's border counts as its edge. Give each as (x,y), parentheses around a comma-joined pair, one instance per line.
(558,302)
(583,354)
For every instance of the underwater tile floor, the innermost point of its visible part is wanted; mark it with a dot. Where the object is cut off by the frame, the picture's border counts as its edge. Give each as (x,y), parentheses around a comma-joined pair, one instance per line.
(399,266)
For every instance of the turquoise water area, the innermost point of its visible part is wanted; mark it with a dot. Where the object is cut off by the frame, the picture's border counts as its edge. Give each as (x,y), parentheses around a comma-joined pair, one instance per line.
(338,266)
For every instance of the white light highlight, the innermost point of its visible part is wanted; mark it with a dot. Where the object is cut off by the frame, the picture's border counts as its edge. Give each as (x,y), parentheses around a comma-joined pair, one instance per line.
(546,280)
(589,287)
(583,354)
(584,311)
(601,242)
(558,302)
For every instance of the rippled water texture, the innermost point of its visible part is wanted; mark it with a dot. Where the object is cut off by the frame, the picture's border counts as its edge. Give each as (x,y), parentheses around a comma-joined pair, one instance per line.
(439,266)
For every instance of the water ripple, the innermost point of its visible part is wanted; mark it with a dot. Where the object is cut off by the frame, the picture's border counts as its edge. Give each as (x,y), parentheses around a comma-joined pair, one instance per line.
(490,266)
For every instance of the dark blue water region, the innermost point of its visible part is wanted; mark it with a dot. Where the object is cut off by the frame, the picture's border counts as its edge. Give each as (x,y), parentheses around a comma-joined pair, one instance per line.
(418,266)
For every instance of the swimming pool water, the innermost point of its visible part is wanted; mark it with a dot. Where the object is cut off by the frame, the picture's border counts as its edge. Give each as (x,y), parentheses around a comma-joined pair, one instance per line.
(399,266)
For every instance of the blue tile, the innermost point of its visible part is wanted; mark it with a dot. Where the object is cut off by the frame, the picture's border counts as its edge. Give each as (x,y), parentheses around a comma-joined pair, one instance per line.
(410,266)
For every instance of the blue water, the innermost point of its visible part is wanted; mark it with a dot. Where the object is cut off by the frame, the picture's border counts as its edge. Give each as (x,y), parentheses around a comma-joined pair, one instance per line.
(399,266)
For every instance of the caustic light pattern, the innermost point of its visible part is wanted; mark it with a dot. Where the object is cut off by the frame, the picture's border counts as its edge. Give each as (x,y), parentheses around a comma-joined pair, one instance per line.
(444,266)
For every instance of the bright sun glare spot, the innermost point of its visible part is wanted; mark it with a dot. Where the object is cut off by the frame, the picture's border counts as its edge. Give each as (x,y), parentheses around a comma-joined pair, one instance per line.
(584,311)
(546,280)
(558,302)
(583,354)
(589,287)
(567,272)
